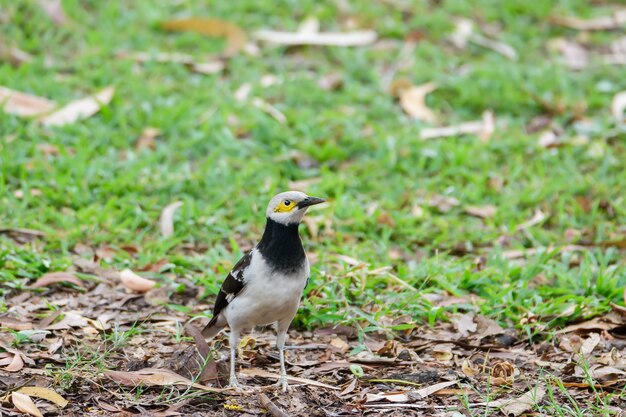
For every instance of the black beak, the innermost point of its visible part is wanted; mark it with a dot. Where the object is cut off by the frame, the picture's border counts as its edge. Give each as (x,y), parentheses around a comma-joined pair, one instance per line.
(310,201)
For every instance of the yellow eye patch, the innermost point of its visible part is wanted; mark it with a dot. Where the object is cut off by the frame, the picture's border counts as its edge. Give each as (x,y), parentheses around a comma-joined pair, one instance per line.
(285,206)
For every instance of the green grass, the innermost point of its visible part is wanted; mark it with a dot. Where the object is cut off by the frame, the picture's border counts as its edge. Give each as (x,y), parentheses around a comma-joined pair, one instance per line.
(367,155)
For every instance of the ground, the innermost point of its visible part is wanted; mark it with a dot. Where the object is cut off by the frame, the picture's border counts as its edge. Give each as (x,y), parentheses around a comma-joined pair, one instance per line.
(490,262)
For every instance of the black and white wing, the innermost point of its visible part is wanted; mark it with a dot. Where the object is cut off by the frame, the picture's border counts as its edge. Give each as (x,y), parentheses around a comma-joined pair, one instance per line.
(233,284)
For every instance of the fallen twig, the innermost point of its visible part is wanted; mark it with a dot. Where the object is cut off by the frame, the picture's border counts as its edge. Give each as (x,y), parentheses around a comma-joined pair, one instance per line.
(270,406)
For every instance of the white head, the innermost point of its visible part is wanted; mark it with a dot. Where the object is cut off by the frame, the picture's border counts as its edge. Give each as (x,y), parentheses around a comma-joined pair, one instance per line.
(289,207)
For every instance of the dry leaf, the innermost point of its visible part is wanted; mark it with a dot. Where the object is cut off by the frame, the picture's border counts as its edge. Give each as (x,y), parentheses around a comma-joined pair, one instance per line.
(54,10)
(23,403)
(413,101)
(538,217)
(13,55)
(394,397)
(426,391)
(308,34)
(442,352)
(44,393)
(33,192)
(14,324)
(496,46)
(484,212)
(339,344)
(590,344)
(465,324)
(69,320)
(469,369)
(22,104)
(574,55)
(134,282)
(548,139)
(234,35)
(208,67)
(147,139)
(616,21)
(523,403)
(17,363)
(269,109)
(166,221)
(502,373)
(155,377)
(464,33)
(79,109)
(443,203)
(55,277)
(483,128)
(618,105)
(255,372)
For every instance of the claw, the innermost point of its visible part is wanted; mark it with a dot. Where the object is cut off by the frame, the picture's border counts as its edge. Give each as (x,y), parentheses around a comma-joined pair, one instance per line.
(282,384)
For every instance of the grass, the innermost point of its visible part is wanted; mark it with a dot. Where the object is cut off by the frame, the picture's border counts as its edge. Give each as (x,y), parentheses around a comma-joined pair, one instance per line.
(366,156)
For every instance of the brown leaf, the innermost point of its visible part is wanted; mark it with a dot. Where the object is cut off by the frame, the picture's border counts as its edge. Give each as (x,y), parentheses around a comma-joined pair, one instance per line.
(14,324)
(147,139)
(269,109)
(17,363)
(234,35)
(502,373)
(433,389)
(484,212)
(590,344)
(13,55)
(413,101)
(339,344)
(79,109)
(538,217)
(44,393)
(56,277)
(166,220)
(483,128)
(69,320)
(616,21)
(155,377)
(465,324)
(134,282)
(54,10)
(23,403)
(574,55)
(523,403)
(469,369)
(309,34)
(394,397)
(23,235)
(22,104)
(464,33)
(207,67)
(273,409)
(618,105)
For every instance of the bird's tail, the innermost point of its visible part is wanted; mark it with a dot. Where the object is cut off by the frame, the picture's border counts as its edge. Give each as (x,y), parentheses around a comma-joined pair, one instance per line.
(212,328)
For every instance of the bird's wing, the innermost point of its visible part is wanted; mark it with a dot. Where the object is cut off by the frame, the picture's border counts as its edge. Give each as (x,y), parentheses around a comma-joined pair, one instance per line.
(233,284)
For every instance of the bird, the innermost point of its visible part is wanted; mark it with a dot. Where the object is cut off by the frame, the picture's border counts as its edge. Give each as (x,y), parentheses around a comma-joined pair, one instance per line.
(265,286)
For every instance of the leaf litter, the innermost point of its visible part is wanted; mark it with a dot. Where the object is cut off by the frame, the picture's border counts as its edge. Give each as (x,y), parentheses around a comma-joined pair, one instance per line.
(424,368)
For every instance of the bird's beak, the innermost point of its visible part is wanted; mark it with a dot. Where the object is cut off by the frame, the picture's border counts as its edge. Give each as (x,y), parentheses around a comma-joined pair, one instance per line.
(310,201)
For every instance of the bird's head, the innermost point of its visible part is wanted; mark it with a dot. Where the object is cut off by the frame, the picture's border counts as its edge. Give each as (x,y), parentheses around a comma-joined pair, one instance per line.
(289,207)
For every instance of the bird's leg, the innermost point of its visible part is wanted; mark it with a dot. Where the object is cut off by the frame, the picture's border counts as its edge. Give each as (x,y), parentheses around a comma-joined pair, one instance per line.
(233,341)
(281,335)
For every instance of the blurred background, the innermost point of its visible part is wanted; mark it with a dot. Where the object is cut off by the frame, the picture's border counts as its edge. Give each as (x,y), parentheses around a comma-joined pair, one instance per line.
(467,149)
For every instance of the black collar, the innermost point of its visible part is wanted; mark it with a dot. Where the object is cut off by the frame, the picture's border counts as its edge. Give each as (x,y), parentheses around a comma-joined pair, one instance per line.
(281,246)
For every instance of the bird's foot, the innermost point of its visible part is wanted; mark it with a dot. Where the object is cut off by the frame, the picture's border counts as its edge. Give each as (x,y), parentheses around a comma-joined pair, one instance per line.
(282,384)
(234,384)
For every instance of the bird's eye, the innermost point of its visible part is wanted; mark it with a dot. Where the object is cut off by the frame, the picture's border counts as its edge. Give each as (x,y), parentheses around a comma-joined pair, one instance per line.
(287,203)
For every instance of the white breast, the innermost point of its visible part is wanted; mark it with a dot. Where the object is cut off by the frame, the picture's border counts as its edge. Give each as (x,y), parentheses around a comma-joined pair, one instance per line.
(268,296)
